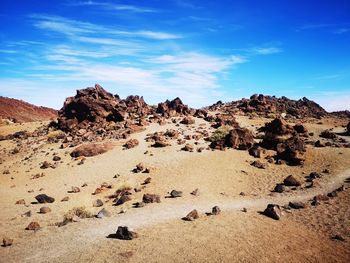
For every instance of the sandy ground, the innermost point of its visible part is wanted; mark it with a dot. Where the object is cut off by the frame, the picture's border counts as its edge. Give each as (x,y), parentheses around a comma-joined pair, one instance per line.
(220,176)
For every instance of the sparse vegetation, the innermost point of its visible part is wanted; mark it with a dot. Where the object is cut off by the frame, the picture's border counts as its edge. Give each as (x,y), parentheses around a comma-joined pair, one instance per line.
(80,212)
(220,133)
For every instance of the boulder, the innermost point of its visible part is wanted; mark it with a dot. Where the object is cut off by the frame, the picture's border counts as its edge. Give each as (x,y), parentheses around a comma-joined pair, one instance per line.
(279,188)
(256,151)
(43,198)
(103,213)
(97,203)
(187,120)
(91,149)
(273,211)
(124,233)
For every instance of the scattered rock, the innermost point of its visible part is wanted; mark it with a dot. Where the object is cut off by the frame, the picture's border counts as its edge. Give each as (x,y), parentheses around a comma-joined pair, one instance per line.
(291,181)
(74,189)
(65,199)
(124,233)
(187,148)
(131,144)
(124,198)
(33,226)
(256,151)
(56,158)
(215,210)
(191,215)
(147,180)
(97,203)
(273,211)
(21,202)
(6,242)
(297,205)
(279,188)
(195,192)
(103,213)
(338,237)
(151,198)
(188,120)
(160,144)
(27,214)
(43,198)
(258,164)
(175,193)
(44,210)
(45,165)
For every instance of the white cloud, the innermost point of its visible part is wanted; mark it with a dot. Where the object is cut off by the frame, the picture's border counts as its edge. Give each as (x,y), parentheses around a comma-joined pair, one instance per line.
(112,6)
(266,50)
(340,31)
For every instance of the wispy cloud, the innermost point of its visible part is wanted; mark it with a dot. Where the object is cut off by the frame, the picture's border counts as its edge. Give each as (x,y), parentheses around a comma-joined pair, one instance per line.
(340,31)
(266,50)
(115,7)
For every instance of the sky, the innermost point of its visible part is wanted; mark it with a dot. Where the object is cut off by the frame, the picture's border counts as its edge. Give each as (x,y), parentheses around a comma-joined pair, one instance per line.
(200,51)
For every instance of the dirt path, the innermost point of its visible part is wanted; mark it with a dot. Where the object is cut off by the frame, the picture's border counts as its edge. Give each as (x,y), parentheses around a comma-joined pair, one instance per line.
(91,233)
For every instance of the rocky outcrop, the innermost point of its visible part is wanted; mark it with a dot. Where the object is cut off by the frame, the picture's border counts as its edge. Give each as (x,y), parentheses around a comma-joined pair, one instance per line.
(173,108)
(237,138)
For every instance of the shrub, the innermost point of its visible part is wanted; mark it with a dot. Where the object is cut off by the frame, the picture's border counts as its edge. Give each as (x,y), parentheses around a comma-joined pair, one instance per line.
(220,133)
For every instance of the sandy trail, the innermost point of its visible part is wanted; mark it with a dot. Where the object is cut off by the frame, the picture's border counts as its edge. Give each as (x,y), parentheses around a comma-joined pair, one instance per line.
(158,213)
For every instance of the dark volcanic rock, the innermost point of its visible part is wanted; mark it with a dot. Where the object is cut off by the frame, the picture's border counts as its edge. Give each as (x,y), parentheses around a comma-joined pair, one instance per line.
(291,181)
(151,198)
(173,108)
(239,138)
(215,210)
(124,233)
(43,198)
(273,211)
(191,215)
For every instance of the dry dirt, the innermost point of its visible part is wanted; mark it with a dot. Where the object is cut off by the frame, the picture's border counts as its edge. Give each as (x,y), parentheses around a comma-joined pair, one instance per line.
(233,236)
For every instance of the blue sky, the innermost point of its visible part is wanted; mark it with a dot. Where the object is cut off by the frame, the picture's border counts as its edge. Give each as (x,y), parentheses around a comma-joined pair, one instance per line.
(201,51)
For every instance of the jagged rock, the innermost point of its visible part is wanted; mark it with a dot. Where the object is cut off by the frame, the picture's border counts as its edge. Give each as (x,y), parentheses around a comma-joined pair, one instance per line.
(175,193)
(91,149)
(97,203)
(215,210)
(124,198)
(328,134)
(139,168)
(33,226)
(191,215)
(319,144)
(273,211)
(195,192)
(6,242)
(173,108)
(151,198)
(124,233)
(27,214)
(147,180)
(291,181)
(43,198)
(103,213)
(131,144)
(44,210)
(239,138)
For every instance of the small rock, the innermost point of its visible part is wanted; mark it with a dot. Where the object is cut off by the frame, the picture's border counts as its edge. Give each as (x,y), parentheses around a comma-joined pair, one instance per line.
(151,198)
(84,185)
(124,198)
(297,205)
(27,214)
(258,164)
(97,203)
(175,193)
(338,237)
(273,211)
(147,180)
(6,242)
(45,165)
(43,198)
(195,192)
(191,215)
(65,199)
(215,210)
(131,144)
(44,210)
(21,202)
(103,213)
(291,181)
(33,226)
(139,204)
(74,189)
(332,194)
(244,210)
(56,158)
(279,188)
(124,233)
